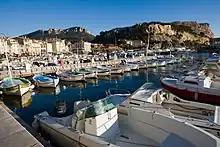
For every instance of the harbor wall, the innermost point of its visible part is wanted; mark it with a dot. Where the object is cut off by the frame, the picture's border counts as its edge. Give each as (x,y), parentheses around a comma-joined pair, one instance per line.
(15,132)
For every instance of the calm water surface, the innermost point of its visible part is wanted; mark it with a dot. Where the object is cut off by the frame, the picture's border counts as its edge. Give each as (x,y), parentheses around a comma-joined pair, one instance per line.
(44,99)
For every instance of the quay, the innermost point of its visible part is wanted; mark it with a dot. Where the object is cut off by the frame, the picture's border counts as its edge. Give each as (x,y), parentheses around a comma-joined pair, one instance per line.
(68,67)
(13,134)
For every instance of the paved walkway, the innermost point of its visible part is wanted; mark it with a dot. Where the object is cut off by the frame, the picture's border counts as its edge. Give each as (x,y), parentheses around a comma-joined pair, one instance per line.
(12,133)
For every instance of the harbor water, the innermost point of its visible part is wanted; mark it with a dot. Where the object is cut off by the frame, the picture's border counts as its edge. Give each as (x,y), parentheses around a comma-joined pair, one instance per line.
(44,99)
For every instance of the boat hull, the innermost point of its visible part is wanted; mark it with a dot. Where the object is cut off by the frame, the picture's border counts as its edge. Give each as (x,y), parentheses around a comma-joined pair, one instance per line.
(152,65)
(91,75)
(105,73)
(73,78)
(16,90)
(134,67)
(117,71)
(193,96)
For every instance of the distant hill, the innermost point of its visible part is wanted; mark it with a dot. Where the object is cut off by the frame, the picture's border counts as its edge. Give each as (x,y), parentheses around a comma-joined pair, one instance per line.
(72,34)
(186,33)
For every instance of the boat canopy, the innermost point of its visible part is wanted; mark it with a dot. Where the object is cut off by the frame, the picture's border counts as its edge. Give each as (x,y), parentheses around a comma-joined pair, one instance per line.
(96,108)
(10,82)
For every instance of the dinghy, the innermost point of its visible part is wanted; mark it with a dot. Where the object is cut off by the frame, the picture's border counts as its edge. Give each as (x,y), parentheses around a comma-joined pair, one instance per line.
(46,80)
(71,76)
(87,73)
(15,86)
(100,72)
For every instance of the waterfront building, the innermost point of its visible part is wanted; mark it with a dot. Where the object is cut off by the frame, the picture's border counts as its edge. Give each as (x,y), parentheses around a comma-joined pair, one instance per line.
(3,46)
(133,43)
(58,46)
(13,46)
(49,47)
(81,47)
(35,48)
(137,43)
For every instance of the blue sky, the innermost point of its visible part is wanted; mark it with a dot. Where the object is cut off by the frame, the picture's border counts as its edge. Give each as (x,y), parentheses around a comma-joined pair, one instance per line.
(22,16)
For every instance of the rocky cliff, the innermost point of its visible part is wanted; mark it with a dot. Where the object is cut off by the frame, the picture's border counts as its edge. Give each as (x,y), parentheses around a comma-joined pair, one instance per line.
(171,34)
(72,34)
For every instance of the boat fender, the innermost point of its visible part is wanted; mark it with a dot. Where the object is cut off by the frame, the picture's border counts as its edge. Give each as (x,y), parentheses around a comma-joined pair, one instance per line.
(196,95)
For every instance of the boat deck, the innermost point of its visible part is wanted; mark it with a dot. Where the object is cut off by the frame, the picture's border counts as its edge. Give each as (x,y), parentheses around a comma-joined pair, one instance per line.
(13,134)
(129,138)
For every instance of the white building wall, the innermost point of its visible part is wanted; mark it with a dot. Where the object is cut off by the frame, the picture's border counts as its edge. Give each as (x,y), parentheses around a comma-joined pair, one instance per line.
(87,46)
(13,46)
(3,46)
(81,46)
(49,47)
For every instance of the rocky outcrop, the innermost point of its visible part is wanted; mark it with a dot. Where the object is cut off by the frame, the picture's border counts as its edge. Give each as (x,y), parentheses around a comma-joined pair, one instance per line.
(199,28)
(174,33)
(73,34)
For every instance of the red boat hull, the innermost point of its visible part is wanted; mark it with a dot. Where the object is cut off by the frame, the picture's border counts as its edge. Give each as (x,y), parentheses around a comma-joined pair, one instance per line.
(193,96)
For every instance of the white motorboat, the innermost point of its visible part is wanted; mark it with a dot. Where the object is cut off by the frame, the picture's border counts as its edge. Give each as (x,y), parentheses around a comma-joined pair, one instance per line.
(194,88)
(46,80)
(201,115)
(101,124)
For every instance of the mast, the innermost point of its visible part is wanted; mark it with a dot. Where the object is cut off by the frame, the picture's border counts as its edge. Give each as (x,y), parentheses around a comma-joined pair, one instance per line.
(148,41)
(6,55)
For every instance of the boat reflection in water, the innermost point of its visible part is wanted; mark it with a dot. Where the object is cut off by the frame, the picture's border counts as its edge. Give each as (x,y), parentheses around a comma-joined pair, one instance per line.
(117,77)
(135,73)
(94,82)
(18,101)
(104,78)
(127,74)
(48,91)
(72,84)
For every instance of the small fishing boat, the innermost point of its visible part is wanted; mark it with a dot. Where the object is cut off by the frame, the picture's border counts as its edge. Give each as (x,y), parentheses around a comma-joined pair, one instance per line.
(15,86)
(151,64)
(71,76)
(87,73)
(100,72)
(126,68)
(161,63)
(46,80)
(141,64)
(61,107)
(194,88)
(131,65)
(113,70)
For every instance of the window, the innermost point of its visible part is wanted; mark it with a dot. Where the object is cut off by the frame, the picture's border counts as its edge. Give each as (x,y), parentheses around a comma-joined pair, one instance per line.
(191,82)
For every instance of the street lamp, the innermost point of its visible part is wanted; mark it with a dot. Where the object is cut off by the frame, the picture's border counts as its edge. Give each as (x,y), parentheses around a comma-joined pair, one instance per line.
(6,54)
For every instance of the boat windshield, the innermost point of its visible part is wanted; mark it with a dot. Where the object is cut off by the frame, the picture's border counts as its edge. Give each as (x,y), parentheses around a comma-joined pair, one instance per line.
(96,108)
